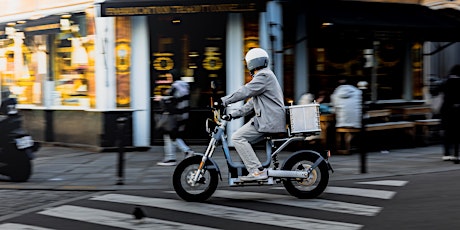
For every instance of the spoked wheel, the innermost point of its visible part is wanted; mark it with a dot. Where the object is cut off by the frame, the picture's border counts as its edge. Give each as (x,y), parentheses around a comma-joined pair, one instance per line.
(189,190)
(315,184)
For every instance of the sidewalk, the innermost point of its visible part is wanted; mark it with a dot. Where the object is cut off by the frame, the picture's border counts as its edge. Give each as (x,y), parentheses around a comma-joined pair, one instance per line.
(62,168)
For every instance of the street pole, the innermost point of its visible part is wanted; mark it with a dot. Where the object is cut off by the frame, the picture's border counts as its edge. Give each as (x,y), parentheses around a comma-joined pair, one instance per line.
(121,123)
(362,85)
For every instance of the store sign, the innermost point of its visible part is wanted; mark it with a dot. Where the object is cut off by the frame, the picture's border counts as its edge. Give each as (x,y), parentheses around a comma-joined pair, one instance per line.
(109,9)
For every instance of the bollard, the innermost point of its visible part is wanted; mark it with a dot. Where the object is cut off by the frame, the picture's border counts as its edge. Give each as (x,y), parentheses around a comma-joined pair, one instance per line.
(121,124)
(362,85)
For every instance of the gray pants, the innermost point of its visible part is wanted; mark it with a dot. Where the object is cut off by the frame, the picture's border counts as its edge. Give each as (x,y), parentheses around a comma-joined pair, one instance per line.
(170,147)
(242,139)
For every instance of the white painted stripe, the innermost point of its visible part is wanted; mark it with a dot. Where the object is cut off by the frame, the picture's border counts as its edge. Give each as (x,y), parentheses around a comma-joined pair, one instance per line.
(13,226)
(372,193)
(221,211)
(398,183)
(318,204)
(114,219)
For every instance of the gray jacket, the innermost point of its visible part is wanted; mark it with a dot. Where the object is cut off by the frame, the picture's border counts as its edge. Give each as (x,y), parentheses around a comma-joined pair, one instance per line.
(266,101)
(346,102)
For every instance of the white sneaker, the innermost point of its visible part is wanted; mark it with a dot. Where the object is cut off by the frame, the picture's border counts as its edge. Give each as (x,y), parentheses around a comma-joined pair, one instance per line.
(167,163)
(448,158)
(257,175)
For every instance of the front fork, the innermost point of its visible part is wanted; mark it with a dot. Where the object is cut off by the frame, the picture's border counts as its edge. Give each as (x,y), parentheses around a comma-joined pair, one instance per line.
(209,151)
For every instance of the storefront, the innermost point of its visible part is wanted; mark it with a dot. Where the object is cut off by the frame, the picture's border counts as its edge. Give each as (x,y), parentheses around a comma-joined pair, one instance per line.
(77,66)
(382,43)
(70,78)
(203,42)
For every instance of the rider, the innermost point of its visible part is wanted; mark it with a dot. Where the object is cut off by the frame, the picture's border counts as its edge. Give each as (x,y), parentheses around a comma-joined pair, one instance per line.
(266,101)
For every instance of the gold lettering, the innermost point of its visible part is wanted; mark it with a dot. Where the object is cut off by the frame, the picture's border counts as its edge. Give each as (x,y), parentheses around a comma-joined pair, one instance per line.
(231,7)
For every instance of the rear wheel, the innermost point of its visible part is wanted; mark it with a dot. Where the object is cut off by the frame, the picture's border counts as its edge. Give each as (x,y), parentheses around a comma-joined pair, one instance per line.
(183,180)
(315,184)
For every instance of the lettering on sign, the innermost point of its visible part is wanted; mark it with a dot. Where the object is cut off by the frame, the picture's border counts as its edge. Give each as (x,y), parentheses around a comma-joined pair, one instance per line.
(231,7)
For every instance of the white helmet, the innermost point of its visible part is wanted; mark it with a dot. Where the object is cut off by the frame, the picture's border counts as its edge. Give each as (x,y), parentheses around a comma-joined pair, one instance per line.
(256,58)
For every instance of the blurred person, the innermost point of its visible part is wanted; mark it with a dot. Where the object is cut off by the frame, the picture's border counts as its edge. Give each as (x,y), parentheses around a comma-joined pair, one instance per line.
(346,104)
(308,98)
(266,101)
(177,105)
(450,114)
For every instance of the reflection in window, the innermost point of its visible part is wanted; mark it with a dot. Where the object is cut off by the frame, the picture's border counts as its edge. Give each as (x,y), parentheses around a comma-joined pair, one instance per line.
(74,62)
(23,66)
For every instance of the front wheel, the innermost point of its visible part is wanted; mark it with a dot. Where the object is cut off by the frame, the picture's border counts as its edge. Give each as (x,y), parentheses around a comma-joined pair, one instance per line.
(315,184)
(189,190)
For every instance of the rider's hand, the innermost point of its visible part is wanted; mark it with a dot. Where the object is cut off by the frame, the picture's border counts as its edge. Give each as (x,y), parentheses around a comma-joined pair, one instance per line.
(221,103)
(227,117)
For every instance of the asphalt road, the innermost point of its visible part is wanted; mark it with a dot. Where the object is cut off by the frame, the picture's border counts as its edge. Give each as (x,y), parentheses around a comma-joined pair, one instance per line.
(423,201)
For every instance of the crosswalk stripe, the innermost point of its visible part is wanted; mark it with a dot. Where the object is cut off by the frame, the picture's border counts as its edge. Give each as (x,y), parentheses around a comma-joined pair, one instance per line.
(398,183)
(220,211)
(114,219)
(318,204)
(372,193)
(13,226)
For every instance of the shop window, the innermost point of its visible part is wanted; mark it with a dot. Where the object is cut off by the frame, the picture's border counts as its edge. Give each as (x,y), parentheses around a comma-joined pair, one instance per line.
(355,61)
(74,62)
(23,67)
(196,52)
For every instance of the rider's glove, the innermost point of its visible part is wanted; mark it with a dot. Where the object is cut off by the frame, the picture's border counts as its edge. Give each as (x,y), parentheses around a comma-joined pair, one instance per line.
(227,117)
(221,103)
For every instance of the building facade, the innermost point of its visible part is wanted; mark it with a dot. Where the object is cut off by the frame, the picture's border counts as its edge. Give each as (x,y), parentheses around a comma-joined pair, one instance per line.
(76,66)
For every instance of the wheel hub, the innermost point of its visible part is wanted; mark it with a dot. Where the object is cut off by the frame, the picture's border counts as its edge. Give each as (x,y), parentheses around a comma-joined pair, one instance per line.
(312,177)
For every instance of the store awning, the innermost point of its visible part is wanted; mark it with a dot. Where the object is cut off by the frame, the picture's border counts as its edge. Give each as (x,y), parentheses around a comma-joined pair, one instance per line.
(110,8)
(413,20)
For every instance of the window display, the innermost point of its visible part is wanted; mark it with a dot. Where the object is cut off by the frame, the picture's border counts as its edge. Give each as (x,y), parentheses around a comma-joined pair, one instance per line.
(74,62)
(20,66)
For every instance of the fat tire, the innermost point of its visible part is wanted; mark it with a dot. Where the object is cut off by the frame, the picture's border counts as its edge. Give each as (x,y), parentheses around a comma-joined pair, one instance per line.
(19,168)
(194,197)
(289,184)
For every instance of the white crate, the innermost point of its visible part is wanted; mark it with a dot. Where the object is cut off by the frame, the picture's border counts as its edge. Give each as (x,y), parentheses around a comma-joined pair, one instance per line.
(304,118)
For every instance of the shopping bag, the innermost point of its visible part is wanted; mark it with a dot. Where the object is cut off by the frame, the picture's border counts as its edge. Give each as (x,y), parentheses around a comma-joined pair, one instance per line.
(166,122)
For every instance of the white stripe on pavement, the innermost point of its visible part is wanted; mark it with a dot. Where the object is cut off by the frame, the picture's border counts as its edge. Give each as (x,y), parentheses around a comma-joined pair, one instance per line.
(318,204)
(13,226)
(398,183)
(114,219)
(220,211)
(372,193)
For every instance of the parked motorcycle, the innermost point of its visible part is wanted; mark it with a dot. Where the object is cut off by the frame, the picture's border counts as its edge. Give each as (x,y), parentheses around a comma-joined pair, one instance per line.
(17,147)
(304,173)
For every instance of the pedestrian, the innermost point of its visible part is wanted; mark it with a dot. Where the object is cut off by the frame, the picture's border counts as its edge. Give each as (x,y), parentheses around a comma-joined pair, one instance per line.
(176,106)
(308,98)
(346,104)
(450,114)
(266,102)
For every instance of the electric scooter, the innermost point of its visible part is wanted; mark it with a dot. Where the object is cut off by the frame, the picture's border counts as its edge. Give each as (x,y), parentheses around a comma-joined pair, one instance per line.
(304,173)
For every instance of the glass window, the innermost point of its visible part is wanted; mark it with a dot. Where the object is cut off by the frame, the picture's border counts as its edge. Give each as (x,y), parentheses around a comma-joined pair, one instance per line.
(355,61)
(195,51)
(74,62)
(23,66)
